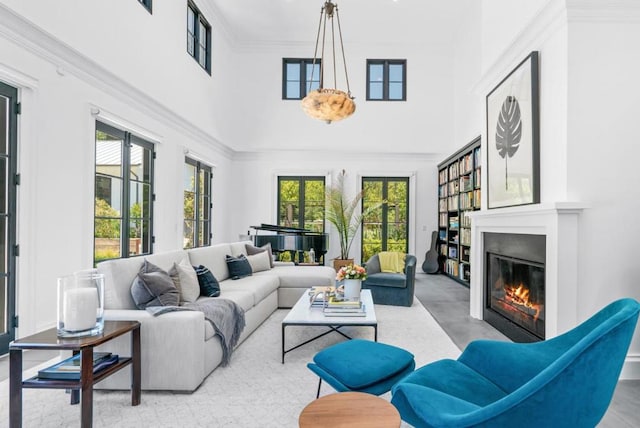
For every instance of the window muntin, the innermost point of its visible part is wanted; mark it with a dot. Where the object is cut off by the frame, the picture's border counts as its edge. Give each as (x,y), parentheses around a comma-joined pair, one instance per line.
(197,204)
(123,201)
(198,37)
(386,80)
(297,74)
(301,202)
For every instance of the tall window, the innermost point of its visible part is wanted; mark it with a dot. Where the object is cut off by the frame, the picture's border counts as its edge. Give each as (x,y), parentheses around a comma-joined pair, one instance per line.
(198,37)
(301,202)
(123,194)
(387,227)
(197,204)
(146,4)
(386,79)
(8,191)
(297,74)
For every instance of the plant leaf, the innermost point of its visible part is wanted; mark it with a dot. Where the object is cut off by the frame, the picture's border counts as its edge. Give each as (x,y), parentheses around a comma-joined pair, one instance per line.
(509,128)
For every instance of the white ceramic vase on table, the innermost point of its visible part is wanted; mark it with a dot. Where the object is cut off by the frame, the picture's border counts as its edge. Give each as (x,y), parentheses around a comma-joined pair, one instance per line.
(352,289)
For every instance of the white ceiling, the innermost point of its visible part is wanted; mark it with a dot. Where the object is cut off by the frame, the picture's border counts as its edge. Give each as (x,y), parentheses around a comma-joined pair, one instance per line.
(363,21)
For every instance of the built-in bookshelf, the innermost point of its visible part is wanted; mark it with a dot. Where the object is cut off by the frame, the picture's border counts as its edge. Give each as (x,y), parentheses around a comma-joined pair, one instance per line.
(459,193)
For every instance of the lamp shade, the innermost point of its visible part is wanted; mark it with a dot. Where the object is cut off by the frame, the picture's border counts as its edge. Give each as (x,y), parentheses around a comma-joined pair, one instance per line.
(329,105)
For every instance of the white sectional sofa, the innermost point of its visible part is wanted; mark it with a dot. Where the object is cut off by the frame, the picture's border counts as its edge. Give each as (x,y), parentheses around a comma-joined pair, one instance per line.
(180,349)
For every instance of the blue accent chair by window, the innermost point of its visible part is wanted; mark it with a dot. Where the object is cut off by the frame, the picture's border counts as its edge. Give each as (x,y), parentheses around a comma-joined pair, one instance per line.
(391,288)
(566,381)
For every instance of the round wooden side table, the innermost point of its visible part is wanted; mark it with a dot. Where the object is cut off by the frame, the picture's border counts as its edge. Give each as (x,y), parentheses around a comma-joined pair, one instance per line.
(349,409)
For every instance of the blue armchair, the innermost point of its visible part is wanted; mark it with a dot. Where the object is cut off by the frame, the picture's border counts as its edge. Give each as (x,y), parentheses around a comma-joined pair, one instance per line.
(567,381)
(391,288)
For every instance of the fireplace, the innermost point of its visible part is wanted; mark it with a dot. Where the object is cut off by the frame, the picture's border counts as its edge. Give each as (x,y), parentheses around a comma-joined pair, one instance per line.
(514,286)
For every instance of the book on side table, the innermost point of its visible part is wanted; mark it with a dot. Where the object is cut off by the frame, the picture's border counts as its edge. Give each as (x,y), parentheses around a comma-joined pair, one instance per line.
(69,369)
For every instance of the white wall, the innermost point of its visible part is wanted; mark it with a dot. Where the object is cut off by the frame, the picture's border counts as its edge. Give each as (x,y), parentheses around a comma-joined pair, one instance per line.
(56,158)
(259,188)
(422,124)
(588,138)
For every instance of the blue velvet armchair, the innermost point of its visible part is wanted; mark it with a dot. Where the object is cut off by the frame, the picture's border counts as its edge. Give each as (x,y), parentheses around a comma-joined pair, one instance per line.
(567,381)
(391,288)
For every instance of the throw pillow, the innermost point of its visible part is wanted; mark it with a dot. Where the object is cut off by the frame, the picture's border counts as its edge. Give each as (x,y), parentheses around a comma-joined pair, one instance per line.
(239,267)
(186,280)
(209,285)
(259,262)
(153,287)
(251,250)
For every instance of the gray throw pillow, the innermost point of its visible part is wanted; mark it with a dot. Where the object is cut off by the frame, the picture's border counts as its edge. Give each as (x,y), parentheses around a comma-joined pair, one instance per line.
(185,279)
(252,250)
(154,287)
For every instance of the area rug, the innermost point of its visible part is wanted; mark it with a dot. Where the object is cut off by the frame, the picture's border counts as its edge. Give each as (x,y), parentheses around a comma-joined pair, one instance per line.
(255,390)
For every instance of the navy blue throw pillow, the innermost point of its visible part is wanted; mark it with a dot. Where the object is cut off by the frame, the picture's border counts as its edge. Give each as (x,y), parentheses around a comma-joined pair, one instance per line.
(239,267)
(208,283)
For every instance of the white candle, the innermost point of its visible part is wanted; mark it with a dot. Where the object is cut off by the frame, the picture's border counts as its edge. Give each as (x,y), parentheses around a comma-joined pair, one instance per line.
(80,309)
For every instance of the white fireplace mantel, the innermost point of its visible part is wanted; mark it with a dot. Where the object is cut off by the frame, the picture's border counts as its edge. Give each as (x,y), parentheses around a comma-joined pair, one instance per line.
(558,221)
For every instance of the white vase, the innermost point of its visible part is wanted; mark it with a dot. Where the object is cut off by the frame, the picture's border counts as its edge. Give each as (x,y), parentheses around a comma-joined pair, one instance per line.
(352,289)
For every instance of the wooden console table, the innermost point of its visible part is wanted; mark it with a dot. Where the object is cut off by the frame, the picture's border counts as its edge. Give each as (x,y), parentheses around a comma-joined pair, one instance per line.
(49,340)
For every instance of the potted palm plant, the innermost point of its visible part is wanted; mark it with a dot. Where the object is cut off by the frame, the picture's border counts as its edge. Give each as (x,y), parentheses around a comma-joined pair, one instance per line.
(341,213)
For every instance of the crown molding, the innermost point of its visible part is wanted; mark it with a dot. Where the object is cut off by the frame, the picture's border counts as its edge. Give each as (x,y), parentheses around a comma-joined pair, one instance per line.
(331,155)
(66,59)
(612,11)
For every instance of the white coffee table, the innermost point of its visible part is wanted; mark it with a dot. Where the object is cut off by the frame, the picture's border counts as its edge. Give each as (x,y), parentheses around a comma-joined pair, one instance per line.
(302,314)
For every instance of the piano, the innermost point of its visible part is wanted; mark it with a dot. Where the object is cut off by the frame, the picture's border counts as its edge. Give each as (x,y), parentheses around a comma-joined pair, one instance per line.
(292,239)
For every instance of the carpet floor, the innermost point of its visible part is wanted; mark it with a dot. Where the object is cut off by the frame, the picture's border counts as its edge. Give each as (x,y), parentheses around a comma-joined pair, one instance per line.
(254,390)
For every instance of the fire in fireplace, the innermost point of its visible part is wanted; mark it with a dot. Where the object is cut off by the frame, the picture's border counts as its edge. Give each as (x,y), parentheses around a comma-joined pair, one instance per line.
(515,290)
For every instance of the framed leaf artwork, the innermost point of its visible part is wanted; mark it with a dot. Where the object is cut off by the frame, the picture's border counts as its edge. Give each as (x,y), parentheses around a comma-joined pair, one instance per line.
(513,137)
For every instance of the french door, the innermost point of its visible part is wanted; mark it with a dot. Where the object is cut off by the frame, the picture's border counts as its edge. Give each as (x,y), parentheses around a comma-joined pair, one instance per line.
(385,228)
(8,248)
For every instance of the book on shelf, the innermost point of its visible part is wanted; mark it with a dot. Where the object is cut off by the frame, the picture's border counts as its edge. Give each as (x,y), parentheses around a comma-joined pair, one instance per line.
(69,369)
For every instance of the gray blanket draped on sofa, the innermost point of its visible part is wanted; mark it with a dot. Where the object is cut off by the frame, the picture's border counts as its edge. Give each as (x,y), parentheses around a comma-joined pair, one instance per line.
(226,317)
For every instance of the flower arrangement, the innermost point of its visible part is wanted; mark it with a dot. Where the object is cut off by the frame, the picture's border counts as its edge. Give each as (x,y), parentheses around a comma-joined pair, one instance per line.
(352,271)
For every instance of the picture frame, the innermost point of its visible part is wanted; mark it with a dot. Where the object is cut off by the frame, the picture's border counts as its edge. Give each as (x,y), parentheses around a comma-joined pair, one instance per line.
(513,137)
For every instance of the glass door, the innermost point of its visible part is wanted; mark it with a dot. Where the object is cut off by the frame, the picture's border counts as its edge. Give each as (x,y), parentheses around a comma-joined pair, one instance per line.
(8,145)
(385,228)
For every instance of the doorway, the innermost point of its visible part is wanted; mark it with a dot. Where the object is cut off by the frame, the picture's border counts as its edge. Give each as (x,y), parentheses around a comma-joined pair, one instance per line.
(8,247)
(386,227)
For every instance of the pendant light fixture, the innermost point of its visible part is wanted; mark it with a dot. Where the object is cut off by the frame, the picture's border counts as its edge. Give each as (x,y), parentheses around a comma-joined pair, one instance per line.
(328,104)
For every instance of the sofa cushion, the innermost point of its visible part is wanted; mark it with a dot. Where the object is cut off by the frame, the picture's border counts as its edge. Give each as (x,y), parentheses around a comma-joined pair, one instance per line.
(238,248)
(251,250)
(303,276)
(259,262)
(209,286)
(239,267)
(154,287)
(384,279)
(258,288)
(213,258)
(185,278)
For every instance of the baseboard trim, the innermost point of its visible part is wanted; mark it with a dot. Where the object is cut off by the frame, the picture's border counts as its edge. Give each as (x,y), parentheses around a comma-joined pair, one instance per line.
(631,368)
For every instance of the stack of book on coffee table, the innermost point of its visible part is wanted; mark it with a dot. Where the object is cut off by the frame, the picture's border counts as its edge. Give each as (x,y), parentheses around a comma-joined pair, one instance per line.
(337,307)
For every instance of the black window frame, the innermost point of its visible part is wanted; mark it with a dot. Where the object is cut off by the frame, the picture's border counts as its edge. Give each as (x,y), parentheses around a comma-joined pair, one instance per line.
(128,140)
(208,171)
(199,20)
(302,179)
(385,76)
(304,84)
(147,4)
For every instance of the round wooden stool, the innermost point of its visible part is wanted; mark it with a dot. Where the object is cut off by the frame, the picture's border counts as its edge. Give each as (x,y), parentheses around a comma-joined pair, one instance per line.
(349,409)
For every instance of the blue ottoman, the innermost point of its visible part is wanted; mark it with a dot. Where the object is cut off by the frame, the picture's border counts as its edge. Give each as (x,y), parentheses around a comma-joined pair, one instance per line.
(362,366)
